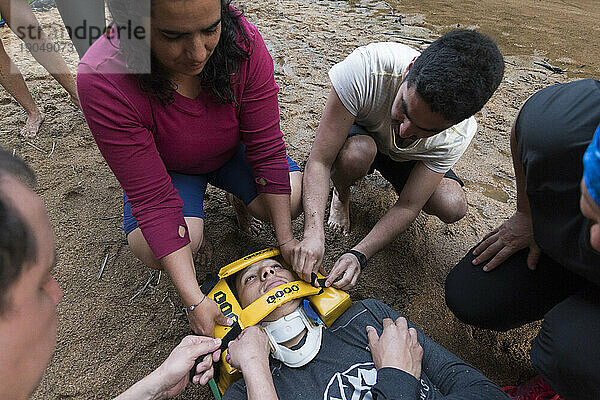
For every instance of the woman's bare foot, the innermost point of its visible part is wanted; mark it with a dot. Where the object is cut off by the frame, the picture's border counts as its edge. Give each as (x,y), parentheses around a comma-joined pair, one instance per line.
(246,222)
(339,213)
(32,125)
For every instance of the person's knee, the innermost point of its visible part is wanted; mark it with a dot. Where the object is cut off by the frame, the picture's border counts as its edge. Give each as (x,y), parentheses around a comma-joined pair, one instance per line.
(141,250)
(356,156)
(196,232)
(455,209)
(457,298)
(457,294)
(448,203)
(296,195)
(469,301)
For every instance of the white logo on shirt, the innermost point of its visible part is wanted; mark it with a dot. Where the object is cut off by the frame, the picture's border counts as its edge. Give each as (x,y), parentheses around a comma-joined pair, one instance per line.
(353,384)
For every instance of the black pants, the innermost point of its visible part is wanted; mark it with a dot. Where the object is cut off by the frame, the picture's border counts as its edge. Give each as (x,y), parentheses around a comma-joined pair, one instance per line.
(566,351)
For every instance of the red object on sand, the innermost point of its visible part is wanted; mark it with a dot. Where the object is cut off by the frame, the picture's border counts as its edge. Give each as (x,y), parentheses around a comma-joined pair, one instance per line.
(534,389)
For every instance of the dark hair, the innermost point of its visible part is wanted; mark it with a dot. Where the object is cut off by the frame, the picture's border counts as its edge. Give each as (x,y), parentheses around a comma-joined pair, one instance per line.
(249,247)
(231,281)
(17,244)
(457,74)
(219,71)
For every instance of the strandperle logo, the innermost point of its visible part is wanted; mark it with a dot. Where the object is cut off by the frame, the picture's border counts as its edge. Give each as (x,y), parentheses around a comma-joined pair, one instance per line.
(52,36)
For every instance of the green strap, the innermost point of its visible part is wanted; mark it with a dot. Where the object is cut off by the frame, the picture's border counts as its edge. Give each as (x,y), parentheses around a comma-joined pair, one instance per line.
(214,389)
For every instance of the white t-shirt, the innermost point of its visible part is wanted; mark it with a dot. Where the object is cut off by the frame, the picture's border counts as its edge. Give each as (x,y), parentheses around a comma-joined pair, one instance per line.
(367,82)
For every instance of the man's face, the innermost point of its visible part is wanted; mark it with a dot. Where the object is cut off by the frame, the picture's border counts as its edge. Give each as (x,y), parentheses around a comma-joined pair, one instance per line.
(591,210)
(185,34)
(28,327)
(259,278)
(412,118)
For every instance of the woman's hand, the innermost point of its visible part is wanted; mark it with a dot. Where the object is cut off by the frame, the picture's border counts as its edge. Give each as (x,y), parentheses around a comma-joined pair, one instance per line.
(203,318)
(249,351)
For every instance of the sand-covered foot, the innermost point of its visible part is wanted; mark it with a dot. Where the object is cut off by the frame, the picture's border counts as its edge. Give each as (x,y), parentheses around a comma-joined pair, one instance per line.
(32,125)
(246,222)
(339,213)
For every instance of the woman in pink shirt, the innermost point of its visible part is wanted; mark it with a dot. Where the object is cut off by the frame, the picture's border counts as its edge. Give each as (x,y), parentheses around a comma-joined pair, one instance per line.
(178,100)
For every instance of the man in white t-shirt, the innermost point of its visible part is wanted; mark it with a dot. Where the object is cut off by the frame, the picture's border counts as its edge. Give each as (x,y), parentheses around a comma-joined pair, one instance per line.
(408,115)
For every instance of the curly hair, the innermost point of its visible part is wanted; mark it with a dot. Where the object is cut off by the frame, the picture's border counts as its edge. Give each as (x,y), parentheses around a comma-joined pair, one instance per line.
(457,74)
(217,75)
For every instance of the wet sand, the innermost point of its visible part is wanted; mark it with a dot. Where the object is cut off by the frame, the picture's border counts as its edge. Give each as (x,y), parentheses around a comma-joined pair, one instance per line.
(565,32)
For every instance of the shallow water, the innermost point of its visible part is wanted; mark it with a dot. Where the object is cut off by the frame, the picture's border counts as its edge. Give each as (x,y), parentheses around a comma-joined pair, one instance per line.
(565,32)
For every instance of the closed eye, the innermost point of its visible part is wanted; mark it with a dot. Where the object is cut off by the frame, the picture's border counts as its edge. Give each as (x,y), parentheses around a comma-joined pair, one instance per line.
(172,36)
(211,31)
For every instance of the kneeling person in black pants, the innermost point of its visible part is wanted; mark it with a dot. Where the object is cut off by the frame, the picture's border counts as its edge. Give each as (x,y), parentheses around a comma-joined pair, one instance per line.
(543,262)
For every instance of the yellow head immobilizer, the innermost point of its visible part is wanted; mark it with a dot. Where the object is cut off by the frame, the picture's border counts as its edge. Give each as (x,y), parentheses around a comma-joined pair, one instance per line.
(329,304)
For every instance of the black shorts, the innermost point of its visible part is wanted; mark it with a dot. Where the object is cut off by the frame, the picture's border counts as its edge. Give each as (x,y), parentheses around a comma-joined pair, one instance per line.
(395,172)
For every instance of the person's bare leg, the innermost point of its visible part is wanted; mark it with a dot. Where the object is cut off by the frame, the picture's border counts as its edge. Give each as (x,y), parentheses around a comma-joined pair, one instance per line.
(257,211)
(142,251)
(13,82)
(352,163)
(20,19)
(246,222)
(296,196)
(448,202)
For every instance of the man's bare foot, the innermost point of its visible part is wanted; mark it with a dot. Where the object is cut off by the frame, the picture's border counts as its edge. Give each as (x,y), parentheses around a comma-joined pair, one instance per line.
(246,222)
(339,213)
(32,125)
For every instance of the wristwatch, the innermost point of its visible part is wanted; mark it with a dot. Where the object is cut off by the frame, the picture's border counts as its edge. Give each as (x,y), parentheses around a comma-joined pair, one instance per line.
(362,259)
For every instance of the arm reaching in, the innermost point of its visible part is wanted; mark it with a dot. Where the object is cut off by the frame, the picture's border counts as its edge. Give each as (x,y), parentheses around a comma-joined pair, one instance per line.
(172,376)
(419,187)
(180,267)
(517,232)
(331,136)
(250,354)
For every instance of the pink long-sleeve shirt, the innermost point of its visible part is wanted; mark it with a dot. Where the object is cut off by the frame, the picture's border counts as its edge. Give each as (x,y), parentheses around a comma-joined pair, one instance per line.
(141,139)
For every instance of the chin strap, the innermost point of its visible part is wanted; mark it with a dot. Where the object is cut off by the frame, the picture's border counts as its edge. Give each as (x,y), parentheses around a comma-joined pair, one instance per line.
(287,328)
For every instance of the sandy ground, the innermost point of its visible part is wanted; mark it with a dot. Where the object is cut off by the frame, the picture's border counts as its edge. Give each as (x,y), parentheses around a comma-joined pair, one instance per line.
(110,335)
(558,30)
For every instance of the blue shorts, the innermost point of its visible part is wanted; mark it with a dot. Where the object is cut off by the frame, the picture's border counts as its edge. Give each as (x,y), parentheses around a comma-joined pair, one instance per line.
(235,177)
(395,172)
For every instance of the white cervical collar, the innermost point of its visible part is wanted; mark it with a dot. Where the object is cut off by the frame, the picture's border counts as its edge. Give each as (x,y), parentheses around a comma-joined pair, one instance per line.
(288,327)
